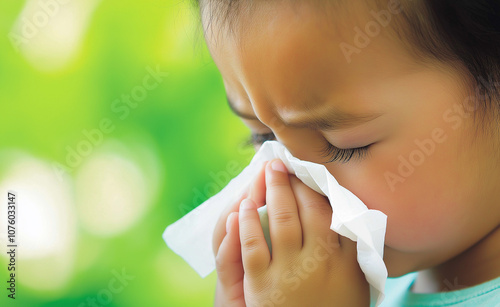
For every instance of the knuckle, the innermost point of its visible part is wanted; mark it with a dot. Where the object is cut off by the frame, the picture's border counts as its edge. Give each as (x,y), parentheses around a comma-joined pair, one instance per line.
(284,217)
(254,267)
(278,182)
(251,243)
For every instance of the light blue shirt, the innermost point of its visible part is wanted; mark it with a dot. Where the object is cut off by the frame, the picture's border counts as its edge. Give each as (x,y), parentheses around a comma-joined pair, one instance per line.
(397,291)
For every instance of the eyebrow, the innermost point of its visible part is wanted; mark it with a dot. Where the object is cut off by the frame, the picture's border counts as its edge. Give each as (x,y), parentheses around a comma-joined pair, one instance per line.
(333,119)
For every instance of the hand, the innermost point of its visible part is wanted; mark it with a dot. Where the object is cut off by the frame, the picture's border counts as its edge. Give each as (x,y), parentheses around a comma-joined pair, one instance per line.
(227,248)
(310,265)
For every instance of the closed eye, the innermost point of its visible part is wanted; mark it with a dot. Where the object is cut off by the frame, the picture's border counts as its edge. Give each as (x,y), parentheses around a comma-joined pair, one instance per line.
(344,155)
(332,153)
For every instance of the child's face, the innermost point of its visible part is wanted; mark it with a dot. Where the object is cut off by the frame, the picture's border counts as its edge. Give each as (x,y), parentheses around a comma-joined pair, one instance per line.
(288,67)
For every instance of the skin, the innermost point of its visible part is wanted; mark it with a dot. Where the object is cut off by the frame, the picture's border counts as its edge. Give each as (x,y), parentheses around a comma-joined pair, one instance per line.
(310,265)
(443,218)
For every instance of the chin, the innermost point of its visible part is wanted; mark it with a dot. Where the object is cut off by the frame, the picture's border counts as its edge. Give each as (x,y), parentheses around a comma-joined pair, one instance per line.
(397,271)
(399,263)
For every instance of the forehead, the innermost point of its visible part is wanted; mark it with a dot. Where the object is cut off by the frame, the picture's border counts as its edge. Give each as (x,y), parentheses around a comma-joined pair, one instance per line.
(291,56)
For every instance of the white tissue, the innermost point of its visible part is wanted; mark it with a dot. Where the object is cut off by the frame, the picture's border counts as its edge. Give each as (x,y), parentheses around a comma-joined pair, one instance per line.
(191,236)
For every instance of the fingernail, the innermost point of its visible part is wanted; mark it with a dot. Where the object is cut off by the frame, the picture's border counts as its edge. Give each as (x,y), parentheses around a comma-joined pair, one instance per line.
(247,204)
(279,166)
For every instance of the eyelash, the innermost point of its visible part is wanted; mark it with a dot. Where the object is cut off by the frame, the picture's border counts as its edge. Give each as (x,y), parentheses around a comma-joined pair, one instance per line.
(342,155)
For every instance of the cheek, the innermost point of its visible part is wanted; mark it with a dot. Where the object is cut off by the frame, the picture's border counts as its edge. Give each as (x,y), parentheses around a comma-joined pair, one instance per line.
(424,210)
(416,220)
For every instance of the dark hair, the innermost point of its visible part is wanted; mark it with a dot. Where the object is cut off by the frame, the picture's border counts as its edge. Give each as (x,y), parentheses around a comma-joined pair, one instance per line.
(460,31)
(465,32)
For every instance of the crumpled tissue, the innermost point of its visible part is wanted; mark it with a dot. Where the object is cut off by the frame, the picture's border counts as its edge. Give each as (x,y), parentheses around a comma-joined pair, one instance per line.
(191,236)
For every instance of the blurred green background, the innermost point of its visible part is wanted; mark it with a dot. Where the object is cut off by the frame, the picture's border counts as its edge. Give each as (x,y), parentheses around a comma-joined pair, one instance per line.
(113,125)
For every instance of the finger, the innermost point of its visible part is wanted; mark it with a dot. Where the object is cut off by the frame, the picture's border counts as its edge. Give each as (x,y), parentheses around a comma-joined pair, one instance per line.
(314,210)
(228,261)
(284,223)
(220,228)
(254,250)
(257,191)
